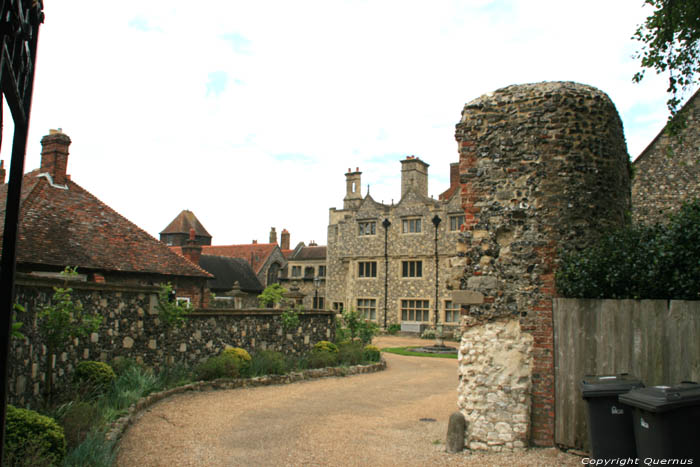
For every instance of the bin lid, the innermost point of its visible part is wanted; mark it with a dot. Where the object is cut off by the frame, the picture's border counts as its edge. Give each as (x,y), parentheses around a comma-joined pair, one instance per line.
(608,385)
(663,398)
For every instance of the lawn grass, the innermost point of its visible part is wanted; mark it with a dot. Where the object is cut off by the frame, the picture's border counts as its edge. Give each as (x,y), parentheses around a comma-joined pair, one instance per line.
(411,353)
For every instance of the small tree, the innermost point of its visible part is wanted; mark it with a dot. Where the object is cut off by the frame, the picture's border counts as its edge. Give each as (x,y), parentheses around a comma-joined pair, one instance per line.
(62,321)
(272,295)
(171,312)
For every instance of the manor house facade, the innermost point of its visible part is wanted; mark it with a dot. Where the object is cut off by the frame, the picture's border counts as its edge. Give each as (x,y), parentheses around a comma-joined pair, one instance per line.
(381,259)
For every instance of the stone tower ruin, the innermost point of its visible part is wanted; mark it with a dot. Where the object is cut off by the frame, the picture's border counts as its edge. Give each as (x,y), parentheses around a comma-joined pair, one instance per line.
(542,167)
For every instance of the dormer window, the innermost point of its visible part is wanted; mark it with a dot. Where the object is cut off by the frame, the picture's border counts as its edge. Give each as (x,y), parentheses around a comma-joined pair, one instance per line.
(367,228)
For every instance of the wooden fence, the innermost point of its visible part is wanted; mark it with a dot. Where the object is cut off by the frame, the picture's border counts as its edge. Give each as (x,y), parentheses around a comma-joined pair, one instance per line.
(657,341)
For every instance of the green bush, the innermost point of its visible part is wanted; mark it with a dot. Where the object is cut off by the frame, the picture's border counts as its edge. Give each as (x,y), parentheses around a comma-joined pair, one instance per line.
(122,364)
(393,329)
(350,353)
(660,261)
(268,362)
(30,435)
(367,330)
(221,366)
(319,358)
(98,375)
(371,353)
(326,346)
(94,451)
(77,419)
(243,358)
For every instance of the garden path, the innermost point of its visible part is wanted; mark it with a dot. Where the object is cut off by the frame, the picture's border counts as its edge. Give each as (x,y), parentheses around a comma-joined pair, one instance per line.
(370,419)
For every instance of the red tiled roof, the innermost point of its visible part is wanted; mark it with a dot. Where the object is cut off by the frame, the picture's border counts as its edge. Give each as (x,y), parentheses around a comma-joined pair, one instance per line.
(71,227)
(185,221)
(287,253)
(255,253)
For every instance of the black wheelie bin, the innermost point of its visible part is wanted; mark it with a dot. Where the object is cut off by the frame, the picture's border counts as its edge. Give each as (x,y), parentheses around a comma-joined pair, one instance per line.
(666,421)
(610,428)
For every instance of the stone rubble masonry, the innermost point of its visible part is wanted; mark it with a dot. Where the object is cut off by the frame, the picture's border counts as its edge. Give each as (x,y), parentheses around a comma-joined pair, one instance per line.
(494,385)
(667,172)
(542,167)
(131,328)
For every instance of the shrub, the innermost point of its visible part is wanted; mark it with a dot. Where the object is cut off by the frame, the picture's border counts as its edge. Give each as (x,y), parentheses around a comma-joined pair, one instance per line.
(393,329)
(326,346)
(121,364)
(242,356)
(77,420)
(318,358)
(290,320)
(94,451)
(170,376)
(341,334)
(221,366)
(661,261)
(268,362)
(171,312)
(272,295)
(30,435)
(428,334)
(98,375)
(366,331)
(350,353)
(371,353)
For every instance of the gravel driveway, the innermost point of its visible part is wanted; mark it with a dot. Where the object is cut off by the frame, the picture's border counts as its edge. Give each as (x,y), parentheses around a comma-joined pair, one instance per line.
(396,417)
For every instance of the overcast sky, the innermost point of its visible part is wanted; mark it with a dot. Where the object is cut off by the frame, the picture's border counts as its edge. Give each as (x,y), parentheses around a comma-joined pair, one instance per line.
(250,113)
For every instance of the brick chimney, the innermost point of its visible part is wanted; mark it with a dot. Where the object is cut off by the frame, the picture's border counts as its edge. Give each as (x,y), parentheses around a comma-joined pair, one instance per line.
(454,174)
(54,155)
(2,172)
(285,240)
(192,251)
(273,235)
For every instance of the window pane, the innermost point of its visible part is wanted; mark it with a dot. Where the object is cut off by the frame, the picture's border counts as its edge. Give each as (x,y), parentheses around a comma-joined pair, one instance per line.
(419,268)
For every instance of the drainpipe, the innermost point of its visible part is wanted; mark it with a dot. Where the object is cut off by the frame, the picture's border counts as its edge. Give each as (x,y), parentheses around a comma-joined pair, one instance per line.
(386,225)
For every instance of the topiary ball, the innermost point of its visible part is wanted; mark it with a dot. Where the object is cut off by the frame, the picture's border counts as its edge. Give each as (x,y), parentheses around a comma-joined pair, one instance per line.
(32,437)
(326,346)
(97,374)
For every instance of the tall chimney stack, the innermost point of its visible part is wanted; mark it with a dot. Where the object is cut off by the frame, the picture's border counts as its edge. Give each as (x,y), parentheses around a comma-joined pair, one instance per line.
(192,251)
(273,235)
(54,155)
(2,172)
(285,240)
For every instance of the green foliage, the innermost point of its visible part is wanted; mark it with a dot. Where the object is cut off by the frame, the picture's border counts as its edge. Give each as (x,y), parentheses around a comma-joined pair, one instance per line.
(30,435)
(371,353)
(77,419)
(242,356)
(351,321)
(661,261)
(290,319)
(342,334)
(272,295)
(428,334)
(670,42)
(170,311)
(16,325)
(411,352)
(94,451)
(268,362)
(121,364)
(318,358)
(367,331)
(393,329)
(350,353)
(326,346)
(98,375)
(220,366)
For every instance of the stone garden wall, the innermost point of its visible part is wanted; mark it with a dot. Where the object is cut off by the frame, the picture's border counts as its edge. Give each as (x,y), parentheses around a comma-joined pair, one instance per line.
(542,167)
(131,328)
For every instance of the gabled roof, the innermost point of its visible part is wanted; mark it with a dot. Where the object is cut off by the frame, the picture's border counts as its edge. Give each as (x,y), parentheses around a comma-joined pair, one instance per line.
(230,270)
(68,226)
(255,253)
(309,253)
(185,221)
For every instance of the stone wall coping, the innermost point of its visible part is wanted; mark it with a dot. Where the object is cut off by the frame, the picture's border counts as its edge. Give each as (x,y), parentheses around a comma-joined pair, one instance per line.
(136,410)
(36,281)
(209,312)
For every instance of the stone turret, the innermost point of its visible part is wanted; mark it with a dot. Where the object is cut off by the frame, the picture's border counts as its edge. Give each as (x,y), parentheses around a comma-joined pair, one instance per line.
(414,176)
(353,192)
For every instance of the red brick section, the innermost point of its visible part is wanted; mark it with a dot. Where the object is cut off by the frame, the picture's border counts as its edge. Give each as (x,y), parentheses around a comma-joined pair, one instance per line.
(54,156)
(284,242)
(255,253)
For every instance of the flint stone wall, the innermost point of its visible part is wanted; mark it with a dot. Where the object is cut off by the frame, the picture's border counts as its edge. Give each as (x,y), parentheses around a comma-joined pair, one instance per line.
(131,328)
(494,390)
(542,167)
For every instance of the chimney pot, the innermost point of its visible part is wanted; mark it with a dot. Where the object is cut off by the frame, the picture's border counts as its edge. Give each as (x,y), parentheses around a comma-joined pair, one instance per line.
(255,242)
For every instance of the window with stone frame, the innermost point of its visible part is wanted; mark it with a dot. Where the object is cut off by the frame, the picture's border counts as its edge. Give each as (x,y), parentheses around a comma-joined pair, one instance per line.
(411,225)
(456,222)
(309,271)
(367,269)
(415,310)
(338,307)
(452,312)
(322,270)
(412,268)
(367,308)
(296,271)
(367,228)
(317,303)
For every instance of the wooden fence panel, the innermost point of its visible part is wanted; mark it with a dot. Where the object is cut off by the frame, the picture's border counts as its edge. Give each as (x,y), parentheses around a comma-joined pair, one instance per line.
(655,340)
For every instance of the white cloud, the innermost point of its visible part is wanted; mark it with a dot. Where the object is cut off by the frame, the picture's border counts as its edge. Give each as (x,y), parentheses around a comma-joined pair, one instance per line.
(250,113)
